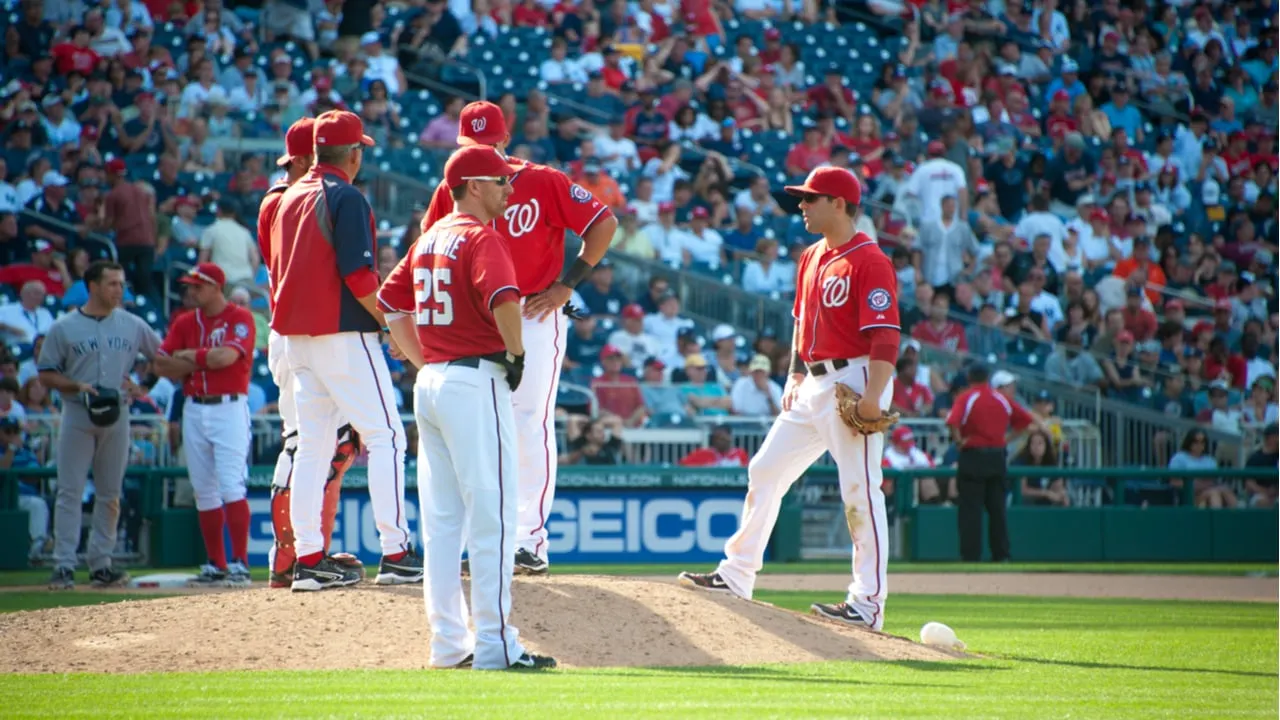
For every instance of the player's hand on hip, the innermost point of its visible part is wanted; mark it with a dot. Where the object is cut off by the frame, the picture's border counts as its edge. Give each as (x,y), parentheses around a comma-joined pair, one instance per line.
(514,365)
(548,301)
(791,391)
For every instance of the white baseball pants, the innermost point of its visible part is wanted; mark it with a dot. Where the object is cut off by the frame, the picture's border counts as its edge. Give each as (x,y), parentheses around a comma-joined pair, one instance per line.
(467,492)
(535,405)
(345,376)
(797,439)
(215,442)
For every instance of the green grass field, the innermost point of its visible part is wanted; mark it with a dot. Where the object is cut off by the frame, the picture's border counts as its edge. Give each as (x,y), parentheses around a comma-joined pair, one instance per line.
(1041,658)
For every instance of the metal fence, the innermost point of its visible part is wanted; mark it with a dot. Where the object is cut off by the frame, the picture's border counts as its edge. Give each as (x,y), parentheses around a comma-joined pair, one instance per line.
(150,439)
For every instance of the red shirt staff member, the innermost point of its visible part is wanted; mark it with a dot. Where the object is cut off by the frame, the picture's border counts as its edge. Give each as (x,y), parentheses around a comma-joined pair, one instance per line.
(324,286)
(544,204)
(212,348)
(453,306)
(846,331)
(980,420)
(297,160)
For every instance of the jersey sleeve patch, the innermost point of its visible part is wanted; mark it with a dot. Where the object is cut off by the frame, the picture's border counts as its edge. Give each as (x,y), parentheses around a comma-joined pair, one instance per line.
(579,194)
(879,299)
(242,330)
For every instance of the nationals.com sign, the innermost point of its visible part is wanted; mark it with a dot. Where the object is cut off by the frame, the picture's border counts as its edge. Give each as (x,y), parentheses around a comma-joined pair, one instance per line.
(585,527)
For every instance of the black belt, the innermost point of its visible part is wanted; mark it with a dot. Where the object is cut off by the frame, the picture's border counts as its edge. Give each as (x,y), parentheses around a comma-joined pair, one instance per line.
(213,399)
(473,361)
(818,369)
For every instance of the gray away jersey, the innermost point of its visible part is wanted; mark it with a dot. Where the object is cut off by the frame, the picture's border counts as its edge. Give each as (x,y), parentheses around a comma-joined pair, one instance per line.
(97,351)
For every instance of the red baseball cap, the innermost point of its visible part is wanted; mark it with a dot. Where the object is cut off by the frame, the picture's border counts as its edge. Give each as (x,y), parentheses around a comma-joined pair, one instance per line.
(830,181)
(701,212)
(902,435)
(609,351)
(206,273)
(1222,304)
(772,34)
(666,207)
(1124,336)
(339,127)
(298,141)
(935,147)
(115,165)
(633,311)
(481,123)
(475,162)
(1175,303)
(1060,95)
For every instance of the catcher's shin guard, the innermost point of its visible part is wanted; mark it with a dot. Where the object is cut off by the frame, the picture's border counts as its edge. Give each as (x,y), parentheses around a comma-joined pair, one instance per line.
(343,456)
(282,555)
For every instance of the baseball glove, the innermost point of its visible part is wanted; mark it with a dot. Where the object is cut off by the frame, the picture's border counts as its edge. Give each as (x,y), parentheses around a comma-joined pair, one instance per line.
(847,404)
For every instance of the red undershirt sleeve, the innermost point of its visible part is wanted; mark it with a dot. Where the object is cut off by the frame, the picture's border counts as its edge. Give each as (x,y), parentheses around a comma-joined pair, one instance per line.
(884,344)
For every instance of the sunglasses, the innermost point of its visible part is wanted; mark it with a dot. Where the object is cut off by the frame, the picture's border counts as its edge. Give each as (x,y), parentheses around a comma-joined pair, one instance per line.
(811,198)
(499,181)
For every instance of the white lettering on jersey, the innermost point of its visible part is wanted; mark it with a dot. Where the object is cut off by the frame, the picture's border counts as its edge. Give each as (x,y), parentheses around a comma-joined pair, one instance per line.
(522,218)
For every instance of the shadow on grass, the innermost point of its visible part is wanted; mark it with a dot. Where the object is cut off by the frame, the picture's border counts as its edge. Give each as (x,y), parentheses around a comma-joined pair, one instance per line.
(1119,666)
(739,673)
(971,666)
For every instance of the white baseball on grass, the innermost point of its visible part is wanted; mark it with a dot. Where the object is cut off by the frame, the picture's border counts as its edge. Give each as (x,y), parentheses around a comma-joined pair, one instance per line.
(939,635)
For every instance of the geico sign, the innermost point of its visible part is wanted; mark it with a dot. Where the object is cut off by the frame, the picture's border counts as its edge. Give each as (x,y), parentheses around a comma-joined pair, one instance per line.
(660,525)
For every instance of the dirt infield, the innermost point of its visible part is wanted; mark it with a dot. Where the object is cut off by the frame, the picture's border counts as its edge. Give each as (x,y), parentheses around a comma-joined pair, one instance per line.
(1089,585)
(582,620)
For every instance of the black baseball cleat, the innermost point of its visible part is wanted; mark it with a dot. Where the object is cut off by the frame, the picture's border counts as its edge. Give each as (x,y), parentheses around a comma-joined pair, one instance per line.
(529,564)
(108,577)
(404,571)
(529,661)
(210,576)
(328,573)
(704,581)
(63,578)
(463,664)
(842,612)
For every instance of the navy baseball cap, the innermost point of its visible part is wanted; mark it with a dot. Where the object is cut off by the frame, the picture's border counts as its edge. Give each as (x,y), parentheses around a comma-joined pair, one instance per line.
(1044,396)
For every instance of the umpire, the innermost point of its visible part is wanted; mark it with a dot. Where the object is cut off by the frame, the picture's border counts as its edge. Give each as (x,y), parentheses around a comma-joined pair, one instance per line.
(86,357)
(980,420)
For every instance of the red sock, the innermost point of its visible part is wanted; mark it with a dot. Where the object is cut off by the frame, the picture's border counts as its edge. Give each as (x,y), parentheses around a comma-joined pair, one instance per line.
(398,556)
(311,560)
(238,524)
(211,524)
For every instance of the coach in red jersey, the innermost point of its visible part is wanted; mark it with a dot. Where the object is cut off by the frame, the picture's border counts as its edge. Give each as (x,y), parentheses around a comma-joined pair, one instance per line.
(980,420)
(324,287)
(544,204)
(846,331)
(211,347)
(452,305)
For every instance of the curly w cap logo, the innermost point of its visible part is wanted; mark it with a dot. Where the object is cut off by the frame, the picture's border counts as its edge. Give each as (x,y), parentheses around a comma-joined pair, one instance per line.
(478,125)
(835,291)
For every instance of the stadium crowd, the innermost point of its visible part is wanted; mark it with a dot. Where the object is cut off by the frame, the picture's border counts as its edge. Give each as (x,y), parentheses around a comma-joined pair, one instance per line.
(1084,192)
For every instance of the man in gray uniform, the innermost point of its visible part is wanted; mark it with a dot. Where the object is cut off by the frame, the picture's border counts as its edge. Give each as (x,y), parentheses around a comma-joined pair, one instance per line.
(86,357)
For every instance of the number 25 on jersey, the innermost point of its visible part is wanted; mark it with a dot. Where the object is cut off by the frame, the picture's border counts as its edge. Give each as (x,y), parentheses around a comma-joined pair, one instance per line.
(431,291)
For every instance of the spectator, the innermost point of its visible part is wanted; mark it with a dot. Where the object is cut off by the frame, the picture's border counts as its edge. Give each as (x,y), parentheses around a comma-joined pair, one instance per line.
(382,65)
(910,397)
(228,244)
(442,132)
(664,401)
(51,271)
(941,331)
(1220,364)
(947,245)
(262,328)
(1038,450)
(632,339)
(754,394)
(14,455)
(807,154)
(584,343)
(1194,455)
(1125,380)
(665,325)
(630,238)
(1221,413)
(599,294)
(1262,493)
(719,452)
(933,180)
(23,321)
(618,395)
(1261,407)
(617,152)
(702,395)
(10,408)
(128,214)
(1069,364)
(901,453)
(986,339)
(765,274)
(598,442)
(1139,321)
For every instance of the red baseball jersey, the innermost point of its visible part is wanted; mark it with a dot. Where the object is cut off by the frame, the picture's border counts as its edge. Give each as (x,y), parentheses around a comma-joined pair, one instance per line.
(840,294)
(449,282)
(543,204)
(950,336)
(984,417)
(266,216)
(233,328)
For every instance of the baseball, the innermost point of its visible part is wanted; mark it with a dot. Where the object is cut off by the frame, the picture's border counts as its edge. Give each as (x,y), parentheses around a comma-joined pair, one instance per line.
(939,635)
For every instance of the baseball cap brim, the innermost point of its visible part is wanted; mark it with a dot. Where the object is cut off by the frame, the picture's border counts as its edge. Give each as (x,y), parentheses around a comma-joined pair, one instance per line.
(491,139)
(284,160)
(801,190)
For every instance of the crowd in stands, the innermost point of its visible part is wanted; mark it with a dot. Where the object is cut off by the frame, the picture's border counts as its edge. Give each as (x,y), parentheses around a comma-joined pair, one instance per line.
(1081,191)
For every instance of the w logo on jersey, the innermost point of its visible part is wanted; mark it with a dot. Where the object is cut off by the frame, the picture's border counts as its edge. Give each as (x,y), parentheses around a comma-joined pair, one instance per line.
(216,336)
(522,217)
(835,291)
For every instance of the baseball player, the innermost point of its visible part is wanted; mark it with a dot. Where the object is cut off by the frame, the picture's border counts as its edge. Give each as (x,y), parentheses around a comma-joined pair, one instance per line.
(453,307)
(211,351)
(544,203)
(297,162)
(846,341)
(86,357)
(324,287)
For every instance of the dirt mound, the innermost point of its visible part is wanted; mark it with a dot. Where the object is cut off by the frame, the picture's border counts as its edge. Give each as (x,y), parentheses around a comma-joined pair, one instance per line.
(583,621)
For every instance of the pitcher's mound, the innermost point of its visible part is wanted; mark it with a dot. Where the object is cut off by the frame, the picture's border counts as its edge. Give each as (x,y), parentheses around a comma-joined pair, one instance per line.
(582,621)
